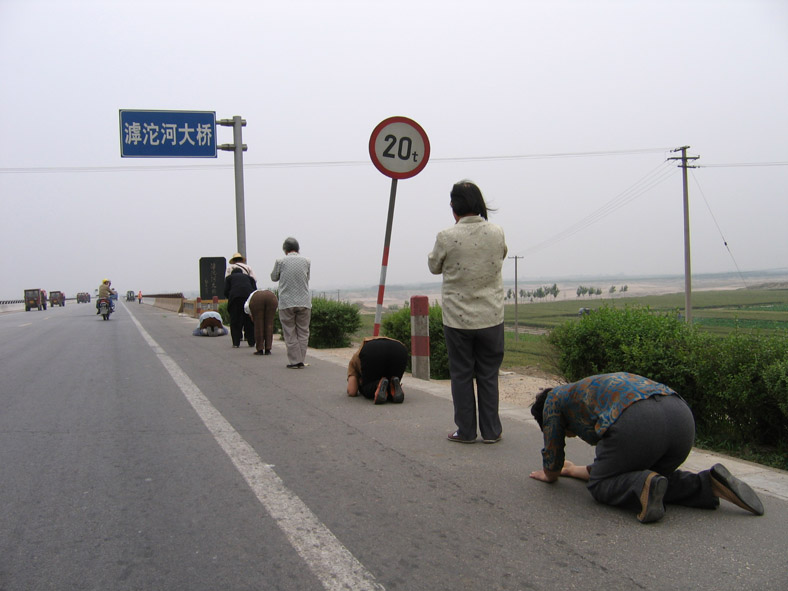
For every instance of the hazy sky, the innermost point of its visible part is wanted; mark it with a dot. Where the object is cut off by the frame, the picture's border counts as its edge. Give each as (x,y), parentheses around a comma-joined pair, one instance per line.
(563,112)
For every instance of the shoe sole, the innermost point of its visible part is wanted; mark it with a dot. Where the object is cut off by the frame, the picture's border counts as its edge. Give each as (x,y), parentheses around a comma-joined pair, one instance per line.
(382,392)
(651,498)
(399,395)
(736,491)
(496,440)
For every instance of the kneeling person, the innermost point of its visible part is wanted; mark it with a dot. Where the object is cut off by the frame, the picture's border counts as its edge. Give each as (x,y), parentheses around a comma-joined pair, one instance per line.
(643,431)
(376,370)
(210,325)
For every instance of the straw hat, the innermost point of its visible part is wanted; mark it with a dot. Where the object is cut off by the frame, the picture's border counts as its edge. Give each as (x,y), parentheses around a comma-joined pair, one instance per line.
(237,257)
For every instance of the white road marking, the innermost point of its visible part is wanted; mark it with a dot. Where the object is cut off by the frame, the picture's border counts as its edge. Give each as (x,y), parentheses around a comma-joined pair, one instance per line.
(326,556)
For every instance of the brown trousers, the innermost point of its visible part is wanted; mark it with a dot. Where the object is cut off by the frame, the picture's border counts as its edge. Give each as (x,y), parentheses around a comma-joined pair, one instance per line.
(263,309)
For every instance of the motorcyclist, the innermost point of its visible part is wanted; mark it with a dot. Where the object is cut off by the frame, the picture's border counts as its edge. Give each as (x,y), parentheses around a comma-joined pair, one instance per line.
(105,291)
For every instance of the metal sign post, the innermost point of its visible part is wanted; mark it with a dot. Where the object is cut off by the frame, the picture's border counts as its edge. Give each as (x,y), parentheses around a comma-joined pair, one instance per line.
(400,149)
(238,147)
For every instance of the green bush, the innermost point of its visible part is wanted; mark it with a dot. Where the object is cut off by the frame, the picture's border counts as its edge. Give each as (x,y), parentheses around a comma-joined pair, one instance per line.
(737,385)
(332,323)
(224,314)
(397,326)
(608,339)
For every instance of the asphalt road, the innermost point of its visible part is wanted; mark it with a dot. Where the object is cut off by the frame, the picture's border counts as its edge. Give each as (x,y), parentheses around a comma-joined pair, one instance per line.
(136,456)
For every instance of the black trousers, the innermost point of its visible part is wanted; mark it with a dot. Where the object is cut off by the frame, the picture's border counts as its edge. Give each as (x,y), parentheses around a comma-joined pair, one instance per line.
(651,435)
(381,358)
(241,326)
(475,353)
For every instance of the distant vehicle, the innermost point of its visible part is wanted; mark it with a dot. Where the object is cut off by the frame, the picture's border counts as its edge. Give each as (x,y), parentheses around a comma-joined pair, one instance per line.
(129,296)
(57,298)
(35,298)
(83,297)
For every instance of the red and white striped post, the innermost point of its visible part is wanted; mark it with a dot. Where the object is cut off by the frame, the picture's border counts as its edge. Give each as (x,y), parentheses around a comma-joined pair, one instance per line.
(385,264)
(198,307)
(420,337)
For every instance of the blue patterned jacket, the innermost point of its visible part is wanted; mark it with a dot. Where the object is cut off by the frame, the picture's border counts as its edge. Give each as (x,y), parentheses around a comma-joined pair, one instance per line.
(588,408)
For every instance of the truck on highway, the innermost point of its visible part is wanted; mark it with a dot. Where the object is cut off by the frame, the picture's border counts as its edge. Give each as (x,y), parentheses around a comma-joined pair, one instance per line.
(34,298)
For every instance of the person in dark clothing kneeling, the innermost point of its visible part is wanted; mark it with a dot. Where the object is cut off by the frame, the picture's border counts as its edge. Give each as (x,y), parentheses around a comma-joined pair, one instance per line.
(643,431)
(376,370)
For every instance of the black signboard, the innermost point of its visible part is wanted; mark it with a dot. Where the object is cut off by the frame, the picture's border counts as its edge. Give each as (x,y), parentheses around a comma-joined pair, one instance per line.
(212,277)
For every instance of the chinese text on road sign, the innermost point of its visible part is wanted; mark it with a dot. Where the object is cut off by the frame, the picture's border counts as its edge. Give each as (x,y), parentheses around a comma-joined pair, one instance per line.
(167,134)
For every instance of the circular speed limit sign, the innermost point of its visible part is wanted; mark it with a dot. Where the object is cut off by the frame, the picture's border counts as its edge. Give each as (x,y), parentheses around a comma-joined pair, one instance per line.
(399,147)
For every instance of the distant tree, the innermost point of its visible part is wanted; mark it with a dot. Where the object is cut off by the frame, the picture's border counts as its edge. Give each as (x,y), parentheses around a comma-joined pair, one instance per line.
(624,288)
(612,289)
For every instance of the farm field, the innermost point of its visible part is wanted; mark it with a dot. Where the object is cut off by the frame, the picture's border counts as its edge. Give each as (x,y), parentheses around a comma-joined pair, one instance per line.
(759,310)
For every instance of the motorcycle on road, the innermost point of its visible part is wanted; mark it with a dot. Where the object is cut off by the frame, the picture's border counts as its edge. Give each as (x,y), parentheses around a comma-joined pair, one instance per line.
(104,307)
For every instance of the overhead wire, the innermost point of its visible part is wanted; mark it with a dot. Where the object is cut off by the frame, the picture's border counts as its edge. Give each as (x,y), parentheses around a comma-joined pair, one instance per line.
(741,164)
(312,164)
(724,241)
(652,179)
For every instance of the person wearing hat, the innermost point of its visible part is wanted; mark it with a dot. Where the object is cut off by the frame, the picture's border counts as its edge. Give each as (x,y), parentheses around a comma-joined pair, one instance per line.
(238,261)
(238,286)
(105,291)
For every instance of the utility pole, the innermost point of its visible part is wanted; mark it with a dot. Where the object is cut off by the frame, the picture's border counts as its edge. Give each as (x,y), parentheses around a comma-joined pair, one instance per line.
(239,148)
(687,270)
(515,296)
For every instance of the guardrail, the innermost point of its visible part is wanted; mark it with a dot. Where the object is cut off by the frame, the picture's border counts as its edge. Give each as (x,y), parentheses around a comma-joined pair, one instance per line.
(167,301)
(197,306)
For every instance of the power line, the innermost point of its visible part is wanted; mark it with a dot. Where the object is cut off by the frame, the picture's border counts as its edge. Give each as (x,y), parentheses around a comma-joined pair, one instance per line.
(741,164)
(310,164)
(725,242)
(655,177)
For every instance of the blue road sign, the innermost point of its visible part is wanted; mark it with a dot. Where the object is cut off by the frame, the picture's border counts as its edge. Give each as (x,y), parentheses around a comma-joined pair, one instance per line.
(167,134)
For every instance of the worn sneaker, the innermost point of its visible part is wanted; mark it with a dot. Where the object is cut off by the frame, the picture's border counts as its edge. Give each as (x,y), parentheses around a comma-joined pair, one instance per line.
(395,391)
(456,437)
(493,440)
(726,486)
(382,392)
(652,498)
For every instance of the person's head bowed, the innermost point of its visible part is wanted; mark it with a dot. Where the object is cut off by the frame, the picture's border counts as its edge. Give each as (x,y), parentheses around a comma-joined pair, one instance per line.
(290,245)
(467,199)
(537,408)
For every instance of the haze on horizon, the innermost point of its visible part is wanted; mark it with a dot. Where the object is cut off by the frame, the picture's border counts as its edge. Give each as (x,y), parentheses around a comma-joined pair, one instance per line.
(564,112)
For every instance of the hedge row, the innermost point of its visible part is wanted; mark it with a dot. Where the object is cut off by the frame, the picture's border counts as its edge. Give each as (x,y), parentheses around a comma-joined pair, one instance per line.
(737,386)
(330,326)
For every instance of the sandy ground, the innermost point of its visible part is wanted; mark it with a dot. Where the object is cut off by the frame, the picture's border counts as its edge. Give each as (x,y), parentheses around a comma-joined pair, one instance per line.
(518,389)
